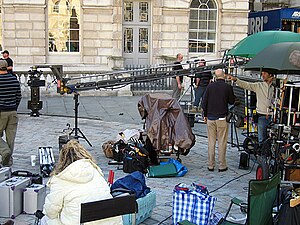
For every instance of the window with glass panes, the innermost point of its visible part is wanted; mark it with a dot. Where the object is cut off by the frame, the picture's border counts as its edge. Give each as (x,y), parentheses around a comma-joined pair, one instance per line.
(202,27)
(63,25)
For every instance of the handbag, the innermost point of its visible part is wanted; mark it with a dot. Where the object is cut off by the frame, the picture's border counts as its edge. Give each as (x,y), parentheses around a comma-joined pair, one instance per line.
(135,162)
(191,203)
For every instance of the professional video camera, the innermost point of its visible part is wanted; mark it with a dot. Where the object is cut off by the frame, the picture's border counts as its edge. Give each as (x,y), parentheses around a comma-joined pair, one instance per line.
(35,83)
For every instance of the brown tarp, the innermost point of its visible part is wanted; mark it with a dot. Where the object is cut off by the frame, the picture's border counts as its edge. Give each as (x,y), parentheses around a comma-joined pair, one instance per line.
(165,122)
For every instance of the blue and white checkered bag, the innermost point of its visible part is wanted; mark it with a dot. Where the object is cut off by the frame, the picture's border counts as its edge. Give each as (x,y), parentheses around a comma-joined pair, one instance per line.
(192,205)
(215,218)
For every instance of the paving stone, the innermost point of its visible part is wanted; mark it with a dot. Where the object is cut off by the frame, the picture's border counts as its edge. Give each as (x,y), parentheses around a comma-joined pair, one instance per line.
(102,122)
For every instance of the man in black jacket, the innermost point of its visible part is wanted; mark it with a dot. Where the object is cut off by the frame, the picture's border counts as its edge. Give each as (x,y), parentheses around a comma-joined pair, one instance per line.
(217,97)
(10,97)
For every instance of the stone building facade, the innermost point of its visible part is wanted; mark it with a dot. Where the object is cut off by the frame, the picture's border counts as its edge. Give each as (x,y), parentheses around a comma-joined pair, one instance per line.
(98,35)
(294,3)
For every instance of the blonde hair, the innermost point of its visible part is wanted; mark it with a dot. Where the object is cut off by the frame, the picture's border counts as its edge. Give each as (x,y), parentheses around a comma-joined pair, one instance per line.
(71,152)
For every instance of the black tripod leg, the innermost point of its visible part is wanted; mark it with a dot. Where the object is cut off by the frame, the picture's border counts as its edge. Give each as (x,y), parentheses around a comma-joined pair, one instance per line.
(231,133)
(76,128)
(236,136)
(84,137)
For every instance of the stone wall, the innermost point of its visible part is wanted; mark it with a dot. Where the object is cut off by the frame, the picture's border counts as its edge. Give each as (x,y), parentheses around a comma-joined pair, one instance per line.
(97,34)
(233,27)
(174,37)
(25,32)
(294,3)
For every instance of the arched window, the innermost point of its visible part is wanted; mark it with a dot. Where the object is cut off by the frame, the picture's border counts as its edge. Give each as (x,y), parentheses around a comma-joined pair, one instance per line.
(203,23)
(63,25)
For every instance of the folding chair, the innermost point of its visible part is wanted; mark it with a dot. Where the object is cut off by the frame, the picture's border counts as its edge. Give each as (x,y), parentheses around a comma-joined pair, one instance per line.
(261,197)
(107,208)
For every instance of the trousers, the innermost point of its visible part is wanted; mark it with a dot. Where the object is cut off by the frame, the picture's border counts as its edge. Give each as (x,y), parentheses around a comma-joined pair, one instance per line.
(176,92)
(262,125)
(217,129)
(199,92)
(8,126)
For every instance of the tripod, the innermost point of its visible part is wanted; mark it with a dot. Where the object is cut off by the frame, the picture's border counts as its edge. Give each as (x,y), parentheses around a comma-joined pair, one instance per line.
(233,130)
(76,129)
(191,86)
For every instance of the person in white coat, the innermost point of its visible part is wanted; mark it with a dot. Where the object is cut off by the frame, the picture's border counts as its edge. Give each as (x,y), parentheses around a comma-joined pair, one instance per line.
(76,179)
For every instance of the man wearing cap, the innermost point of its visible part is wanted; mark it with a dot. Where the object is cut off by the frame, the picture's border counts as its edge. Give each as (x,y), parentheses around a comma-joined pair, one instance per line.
(10,97)
(9,61)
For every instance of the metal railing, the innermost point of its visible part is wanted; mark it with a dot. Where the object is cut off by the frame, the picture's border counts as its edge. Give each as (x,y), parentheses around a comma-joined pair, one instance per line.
(155,85)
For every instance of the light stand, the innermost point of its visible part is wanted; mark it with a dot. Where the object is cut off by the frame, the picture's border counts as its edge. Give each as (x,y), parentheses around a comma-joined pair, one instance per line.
(234,133)
(233,129)
(191,86)
(76,129)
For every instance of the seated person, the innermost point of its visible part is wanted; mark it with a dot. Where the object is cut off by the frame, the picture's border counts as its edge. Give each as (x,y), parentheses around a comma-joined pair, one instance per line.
(76,179)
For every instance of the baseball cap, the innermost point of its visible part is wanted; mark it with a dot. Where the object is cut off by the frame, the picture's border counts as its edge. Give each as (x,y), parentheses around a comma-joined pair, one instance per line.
(5,51)
(3,64)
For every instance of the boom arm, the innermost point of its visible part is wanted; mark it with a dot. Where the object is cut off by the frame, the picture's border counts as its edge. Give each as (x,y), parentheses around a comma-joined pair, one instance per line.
(120,78)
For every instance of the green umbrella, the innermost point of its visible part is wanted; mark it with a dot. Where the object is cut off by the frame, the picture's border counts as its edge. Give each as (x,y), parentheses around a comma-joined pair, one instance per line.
(280,58)
(251,45)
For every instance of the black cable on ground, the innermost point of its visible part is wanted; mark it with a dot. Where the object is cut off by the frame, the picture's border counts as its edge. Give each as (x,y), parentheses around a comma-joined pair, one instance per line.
(161,222)
(205,136)
(223,185)
(234,179)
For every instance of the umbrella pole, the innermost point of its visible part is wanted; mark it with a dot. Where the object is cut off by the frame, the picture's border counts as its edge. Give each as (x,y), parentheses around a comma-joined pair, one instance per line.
(281,100)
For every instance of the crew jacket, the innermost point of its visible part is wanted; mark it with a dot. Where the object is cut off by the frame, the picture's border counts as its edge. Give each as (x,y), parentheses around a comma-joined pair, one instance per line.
(10,92)
(264,95)
(82,181)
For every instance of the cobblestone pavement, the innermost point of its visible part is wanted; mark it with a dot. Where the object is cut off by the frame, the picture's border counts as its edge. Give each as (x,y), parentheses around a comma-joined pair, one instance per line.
(101,119)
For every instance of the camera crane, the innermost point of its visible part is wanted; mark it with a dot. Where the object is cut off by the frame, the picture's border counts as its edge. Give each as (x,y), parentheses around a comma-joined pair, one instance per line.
(113,80)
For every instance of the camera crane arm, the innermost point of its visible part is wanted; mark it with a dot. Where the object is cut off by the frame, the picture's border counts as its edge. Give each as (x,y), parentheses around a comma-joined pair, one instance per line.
(121,78)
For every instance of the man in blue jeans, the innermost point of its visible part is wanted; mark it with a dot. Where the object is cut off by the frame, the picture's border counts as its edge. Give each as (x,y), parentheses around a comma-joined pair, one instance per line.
(264,94)
(203,78)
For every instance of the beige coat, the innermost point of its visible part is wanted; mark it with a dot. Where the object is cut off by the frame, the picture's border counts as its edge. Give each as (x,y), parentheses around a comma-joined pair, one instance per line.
(82,181)
(264,94)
